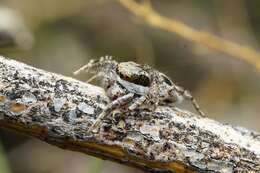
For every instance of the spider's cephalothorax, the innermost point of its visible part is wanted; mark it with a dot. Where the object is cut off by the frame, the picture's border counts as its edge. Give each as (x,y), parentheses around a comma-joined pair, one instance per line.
(132,86)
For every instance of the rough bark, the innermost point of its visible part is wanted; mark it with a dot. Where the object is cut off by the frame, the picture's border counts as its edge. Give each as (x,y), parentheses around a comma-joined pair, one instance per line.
(59,110)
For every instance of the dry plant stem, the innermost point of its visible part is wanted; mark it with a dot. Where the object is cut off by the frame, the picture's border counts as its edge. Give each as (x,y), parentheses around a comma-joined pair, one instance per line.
(59,110)
(151,17)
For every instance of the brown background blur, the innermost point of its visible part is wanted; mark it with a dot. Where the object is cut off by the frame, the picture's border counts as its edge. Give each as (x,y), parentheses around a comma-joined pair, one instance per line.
(62,35)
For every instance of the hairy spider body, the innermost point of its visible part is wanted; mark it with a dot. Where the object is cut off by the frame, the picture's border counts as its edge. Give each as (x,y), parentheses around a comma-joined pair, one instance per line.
(132,86)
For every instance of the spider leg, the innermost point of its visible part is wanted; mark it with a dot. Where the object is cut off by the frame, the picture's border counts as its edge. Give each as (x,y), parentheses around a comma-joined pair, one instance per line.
(187,95)
(83,68)
(151,105)
(151,96)
(110,107)
(93,77)
(138,103)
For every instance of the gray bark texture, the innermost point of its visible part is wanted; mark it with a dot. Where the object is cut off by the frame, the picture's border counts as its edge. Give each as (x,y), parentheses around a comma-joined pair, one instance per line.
(59,110)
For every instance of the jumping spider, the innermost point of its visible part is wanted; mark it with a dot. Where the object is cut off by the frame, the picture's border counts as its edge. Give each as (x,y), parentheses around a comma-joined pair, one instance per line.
(131,86)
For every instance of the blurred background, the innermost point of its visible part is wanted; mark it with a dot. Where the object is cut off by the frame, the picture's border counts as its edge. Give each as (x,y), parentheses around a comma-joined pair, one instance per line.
(62,35)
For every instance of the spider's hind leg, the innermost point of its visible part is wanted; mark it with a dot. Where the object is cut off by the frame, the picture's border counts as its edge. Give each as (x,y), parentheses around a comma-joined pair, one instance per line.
(187,95)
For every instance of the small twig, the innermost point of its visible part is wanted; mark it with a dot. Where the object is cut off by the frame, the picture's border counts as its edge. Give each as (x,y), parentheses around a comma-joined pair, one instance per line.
(151,17)
(59,110)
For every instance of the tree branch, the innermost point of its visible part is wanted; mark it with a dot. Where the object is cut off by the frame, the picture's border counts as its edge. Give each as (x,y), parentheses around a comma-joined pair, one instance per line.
(59,110)
(153,18)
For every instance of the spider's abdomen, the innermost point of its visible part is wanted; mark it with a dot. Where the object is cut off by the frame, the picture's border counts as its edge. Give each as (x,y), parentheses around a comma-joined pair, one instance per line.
(133,73)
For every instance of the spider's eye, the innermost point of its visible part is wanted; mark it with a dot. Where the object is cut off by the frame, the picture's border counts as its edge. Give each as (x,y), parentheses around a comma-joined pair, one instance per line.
(134,73)
(167,80)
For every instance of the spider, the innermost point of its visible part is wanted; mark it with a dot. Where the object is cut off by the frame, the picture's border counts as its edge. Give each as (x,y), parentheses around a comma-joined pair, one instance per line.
(132,86)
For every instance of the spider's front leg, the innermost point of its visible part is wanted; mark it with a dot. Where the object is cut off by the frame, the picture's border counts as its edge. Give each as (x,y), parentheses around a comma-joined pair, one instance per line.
(150,98)
(150,102)
(97,66)
(121,101)
(84,68)
(93,77)
(137,103)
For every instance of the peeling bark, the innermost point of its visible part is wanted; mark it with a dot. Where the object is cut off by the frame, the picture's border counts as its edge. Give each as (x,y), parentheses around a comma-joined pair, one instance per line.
(59,110)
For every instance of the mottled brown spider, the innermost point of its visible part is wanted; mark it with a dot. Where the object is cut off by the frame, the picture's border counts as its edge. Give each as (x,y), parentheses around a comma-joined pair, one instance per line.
(132,86)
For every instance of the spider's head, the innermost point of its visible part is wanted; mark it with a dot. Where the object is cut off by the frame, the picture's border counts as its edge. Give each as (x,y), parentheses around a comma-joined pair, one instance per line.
(133,73)
(97,65)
